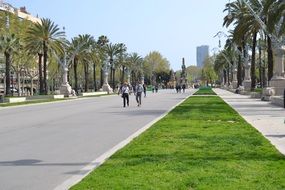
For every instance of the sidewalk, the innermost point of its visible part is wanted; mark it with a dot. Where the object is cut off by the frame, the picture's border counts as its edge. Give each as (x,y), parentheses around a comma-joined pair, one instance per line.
(265,117)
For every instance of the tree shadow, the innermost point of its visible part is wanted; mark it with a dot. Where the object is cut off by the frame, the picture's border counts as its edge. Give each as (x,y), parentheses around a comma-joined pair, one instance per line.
(34,162)
(276,136)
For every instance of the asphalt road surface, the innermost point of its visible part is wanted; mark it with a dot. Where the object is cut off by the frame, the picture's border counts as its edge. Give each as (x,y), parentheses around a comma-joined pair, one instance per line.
(41,146)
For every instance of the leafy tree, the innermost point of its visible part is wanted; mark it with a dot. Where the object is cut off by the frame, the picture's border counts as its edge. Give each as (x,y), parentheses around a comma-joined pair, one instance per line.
(193,73)
(112,50)
(155,63)
(208,73)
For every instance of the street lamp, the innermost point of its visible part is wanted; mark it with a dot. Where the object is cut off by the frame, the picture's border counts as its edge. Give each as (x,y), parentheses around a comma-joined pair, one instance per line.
(220,34)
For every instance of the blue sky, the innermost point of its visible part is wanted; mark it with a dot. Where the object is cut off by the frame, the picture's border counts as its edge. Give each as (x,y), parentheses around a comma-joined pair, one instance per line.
(173,27)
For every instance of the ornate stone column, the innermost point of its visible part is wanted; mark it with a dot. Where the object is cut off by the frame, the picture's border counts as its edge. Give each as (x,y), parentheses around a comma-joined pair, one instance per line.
(247,80)
(106,87)
(278,80)
(234,83)
(65,88)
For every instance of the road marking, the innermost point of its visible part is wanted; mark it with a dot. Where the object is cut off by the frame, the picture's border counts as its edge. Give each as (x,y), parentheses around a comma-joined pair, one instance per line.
(101,159)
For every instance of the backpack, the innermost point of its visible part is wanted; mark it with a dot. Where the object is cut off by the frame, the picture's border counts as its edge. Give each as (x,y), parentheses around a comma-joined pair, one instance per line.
(139,88)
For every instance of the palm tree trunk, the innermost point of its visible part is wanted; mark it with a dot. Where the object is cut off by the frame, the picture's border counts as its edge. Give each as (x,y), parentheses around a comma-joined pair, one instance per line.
(239,69)
(225,76)
(75,76)
(41,73)
(270,58)
(123,74)
(111,75)
(252,68)
(94,77)
(261,79)
(32,86)
(228,74)
(86,74)
(45,68)
(18,82)
(8,71)
(264,70)
(113,81)
(101,76)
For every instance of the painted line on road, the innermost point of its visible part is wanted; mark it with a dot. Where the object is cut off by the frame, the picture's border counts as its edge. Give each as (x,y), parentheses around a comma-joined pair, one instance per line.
(101,159)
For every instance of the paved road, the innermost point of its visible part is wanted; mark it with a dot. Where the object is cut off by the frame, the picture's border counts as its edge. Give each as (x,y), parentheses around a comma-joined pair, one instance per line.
(265,117)
(44,145)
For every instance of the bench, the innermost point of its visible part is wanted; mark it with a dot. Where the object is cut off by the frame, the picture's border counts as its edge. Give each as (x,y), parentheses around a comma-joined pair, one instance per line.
(16,100)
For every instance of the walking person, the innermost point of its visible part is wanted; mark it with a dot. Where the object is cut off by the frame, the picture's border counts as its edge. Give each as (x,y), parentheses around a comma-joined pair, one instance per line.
(183,88)
(125,90)
(139,90)
(144,90)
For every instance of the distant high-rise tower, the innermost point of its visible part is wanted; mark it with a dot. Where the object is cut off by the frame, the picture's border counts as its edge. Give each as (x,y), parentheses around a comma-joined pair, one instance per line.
(202,54)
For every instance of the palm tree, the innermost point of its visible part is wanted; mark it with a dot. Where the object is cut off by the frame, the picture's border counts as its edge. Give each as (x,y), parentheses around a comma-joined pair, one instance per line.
(8,45)
(246,26)
(102,42)
(122,61)
(88,42)
(95,58)
(120,57)
(135,64)
(47,35)
(273,11)
(219,67)
(112,50)
(78,48)
(34,47)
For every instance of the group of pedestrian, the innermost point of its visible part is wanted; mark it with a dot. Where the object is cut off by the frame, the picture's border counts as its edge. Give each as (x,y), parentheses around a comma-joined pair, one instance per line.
(155,89)
(180,88)
(126,89)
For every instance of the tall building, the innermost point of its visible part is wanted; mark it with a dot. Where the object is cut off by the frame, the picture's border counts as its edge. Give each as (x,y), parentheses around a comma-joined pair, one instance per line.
(21,12)
(202,54)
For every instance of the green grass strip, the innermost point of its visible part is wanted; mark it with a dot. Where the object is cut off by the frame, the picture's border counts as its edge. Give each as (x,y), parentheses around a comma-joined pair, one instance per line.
(201,144)
(205,91)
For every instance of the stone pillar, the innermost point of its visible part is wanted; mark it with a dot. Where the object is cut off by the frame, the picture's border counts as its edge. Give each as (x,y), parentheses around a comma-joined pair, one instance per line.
(106,87)
(247,80)
(277,83)
(65,88)
(234,83)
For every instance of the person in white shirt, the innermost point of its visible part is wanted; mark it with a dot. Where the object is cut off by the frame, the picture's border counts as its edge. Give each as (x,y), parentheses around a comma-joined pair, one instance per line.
(125,90)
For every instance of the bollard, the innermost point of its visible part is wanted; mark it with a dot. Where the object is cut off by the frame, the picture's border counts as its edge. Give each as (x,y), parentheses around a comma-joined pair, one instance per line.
(1,98)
